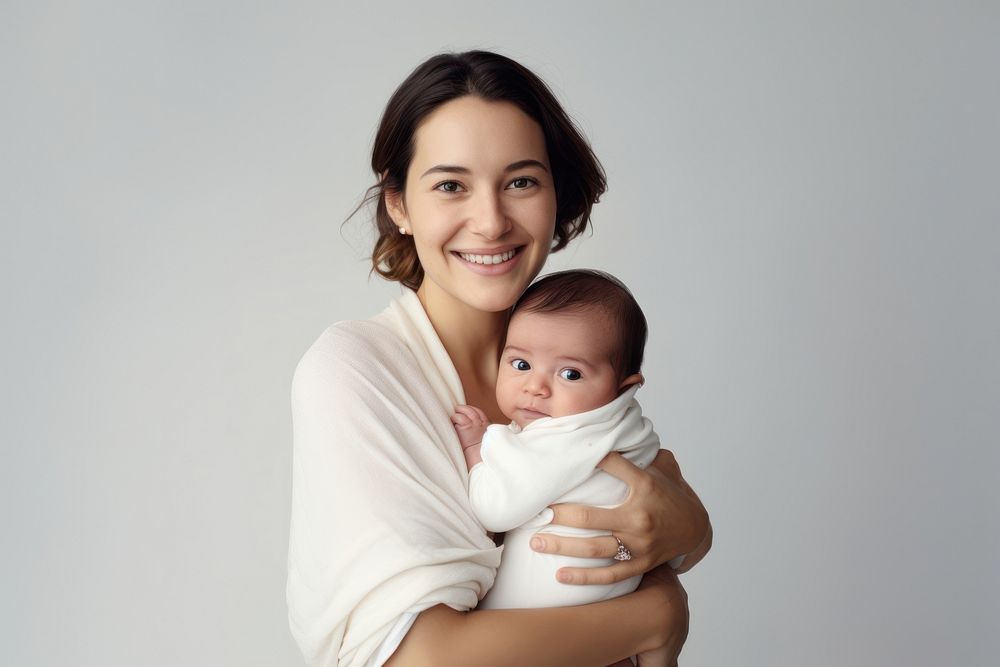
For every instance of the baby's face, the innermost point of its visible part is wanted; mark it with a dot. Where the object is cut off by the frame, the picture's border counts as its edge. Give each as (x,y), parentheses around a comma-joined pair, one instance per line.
(555,365)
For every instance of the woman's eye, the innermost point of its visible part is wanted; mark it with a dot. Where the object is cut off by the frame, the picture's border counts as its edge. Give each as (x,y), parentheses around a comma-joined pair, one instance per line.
(570,374)
(521,183)
(448,186)
(520,365)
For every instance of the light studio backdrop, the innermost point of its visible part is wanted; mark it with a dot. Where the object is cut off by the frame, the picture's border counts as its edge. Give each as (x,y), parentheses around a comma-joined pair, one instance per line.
(802,196)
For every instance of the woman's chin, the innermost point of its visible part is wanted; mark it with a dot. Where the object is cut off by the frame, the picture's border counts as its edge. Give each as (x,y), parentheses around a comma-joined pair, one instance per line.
(494,303)
(487,299)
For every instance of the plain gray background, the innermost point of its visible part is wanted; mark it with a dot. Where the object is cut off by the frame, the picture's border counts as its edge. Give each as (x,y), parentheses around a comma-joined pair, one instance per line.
(803,198)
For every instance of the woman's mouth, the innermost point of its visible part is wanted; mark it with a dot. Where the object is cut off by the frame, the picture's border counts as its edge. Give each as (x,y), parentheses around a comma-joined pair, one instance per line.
(498,258)
(486,263)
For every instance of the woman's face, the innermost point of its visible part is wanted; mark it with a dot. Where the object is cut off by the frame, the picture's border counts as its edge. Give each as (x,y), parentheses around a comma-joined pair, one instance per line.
(479,202)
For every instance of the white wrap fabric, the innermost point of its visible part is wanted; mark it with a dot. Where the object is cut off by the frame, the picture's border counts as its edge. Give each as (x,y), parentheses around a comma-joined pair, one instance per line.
(381,521)
(553,460)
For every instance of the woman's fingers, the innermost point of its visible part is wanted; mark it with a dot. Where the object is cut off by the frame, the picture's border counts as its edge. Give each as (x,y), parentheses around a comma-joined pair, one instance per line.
(617,465)
(611,574)
(633,527)
(578,547)
(585,516)
(666,463)
(590,547)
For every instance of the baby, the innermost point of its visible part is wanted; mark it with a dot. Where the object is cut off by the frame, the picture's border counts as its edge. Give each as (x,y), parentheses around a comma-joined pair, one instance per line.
(568,375)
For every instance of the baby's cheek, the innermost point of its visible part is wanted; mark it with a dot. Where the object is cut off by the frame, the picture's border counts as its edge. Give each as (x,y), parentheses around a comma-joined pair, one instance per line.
(591,399)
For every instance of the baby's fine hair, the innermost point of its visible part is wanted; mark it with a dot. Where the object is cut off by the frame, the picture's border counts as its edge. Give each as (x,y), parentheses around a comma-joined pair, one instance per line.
(580,290)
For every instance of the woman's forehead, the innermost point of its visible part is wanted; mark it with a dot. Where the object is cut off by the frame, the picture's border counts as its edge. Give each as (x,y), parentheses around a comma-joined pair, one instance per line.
(473,133)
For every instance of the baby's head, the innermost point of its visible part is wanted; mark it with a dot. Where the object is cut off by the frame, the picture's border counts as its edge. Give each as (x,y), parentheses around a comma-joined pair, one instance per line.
(574,343)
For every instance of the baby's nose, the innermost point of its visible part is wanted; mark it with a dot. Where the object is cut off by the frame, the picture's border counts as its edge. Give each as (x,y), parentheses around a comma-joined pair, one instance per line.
(537,385)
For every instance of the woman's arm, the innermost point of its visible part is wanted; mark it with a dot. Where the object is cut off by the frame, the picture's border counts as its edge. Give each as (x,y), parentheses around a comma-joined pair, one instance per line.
(661,519)
(653,618)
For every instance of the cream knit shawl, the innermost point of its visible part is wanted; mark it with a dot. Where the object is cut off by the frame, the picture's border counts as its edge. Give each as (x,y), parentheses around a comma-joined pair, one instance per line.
(381,521)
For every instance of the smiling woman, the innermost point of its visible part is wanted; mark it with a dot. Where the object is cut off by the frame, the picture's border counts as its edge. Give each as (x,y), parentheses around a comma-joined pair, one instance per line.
(480,175)
(479,203)
(574,172)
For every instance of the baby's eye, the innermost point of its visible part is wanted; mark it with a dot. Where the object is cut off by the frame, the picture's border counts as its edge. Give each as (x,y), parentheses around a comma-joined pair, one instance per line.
(449,186)
(570,374)
(520,365)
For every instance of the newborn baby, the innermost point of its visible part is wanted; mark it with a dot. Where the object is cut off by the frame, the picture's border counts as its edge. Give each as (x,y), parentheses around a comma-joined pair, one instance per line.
(568,375)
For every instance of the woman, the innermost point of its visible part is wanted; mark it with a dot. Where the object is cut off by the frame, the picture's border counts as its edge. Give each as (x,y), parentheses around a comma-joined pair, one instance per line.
(480,175)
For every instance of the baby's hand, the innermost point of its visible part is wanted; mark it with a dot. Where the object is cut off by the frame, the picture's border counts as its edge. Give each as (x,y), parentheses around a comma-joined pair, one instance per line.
(470,424)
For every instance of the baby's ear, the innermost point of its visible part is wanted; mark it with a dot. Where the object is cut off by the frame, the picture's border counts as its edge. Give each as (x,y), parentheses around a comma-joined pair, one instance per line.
(635,378)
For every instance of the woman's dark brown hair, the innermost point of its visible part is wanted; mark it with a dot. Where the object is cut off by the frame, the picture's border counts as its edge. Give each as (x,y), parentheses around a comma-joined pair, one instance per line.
(577,174)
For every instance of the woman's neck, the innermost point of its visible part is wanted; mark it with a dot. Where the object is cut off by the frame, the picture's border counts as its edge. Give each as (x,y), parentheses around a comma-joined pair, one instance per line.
(472,339)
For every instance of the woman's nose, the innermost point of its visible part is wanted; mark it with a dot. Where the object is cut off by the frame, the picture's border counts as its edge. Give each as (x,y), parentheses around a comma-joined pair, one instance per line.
(488,219)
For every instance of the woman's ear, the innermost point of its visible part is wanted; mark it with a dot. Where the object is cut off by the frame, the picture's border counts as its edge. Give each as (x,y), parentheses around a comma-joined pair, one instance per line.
(635,378)
(394,205)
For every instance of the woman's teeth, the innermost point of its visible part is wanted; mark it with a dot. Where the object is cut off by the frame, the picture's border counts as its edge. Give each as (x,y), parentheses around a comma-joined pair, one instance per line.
(487,259)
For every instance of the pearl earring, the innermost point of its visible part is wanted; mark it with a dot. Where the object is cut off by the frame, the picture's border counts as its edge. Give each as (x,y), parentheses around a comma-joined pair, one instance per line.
(402,231)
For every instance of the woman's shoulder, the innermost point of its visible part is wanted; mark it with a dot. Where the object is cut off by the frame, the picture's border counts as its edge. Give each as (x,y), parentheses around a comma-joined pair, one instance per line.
(350,348)
(366,343)
(394,356)
(355,335)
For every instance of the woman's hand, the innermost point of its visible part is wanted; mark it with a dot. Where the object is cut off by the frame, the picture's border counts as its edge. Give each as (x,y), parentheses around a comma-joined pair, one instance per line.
(660,520)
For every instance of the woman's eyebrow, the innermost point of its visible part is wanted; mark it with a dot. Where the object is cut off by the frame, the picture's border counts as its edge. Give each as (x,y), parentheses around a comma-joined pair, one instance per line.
(521,164)
(446,168)
(456,169)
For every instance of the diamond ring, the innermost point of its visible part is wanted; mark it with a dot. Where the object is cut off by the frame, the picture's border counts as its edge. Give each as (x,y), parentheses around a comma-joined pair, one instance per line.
(623,553)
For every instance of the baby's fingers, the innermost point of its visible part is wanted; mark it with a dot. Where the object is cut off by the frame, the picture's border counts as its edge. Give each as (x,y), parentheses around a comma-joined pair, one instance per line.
(480,415)
(473,414)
